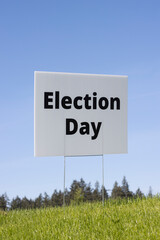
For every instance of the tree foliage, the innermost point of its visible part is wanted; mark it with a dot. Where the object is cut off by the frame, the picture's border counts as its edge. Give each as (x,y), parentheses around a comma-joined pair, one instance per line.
(79,192)
(4,201)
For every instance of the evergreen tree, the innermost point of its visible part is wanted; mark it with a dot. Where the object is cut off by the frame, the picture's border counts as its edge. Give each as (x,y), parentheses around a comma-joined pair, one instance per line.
(32,204)
(125,188)
(4,201)
(96,192)
(139,193)
(82,185)
(54,199)
(16,203)
(38,201)
(74,186)
(150,195)
(25,203)
(60,198)
(46,200)
(117,191)
(57,199)
(88,193)
(78,197)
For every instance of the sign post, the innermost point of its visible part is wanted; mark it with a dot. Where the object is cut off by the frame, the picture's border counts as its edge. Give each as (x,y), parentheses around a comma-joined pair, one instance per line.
(80,115)
(64,181)
(103,179)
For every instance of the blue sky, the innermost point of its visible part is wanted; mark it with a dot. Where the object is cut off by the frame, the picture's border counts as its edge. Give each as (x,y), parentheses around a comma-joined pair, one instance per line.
(102,37)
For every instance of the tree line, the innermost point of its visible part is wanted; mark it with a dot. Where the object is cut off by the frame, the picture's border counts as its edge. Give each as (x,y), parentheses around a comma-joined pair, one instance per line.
(79,192)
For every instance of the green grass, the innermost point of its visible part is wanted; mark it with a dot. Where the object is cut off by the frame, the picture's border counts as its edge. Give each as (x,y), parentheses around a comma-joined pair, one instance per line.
(138,219)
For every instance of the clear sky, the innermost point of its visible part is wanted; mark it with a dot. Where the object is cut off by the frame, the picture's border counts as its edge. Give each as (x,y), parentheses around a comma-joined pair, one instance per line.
(102,37)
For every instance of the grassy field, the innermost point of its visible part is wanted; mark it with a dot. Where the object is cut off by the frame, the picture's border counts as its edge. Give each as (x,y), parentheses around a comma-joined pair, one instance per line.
(138,219)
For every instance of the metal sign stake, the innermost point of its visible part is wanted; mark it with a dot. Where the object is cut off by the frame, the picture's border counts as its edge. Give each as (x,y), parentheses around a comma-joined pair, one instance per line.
(103,179)
(64,181)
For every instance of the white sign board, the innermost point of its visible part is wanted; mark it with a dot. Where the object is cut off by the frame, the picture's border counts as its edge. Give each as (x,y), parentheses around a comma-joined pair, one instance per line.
(79,114)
